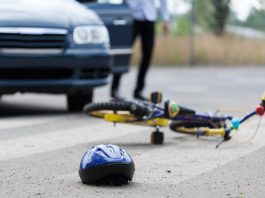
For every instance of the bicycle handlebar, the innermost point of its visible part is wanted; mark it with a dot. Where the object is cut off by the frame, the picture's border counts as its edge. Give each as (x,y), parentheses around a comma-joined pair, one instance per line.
(263,100)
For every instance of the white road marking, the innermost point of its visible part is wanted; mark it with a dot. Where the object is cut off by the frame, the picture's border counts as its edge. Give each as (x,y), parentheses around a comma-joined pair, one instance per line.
(188,89)
(188,158)
(194,158)
(35,144)
(11,123)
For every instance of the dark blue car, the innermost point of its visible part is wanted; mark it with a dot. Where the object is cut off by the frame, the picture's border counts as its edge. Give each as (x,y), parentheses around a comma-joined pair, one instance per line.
(62,46)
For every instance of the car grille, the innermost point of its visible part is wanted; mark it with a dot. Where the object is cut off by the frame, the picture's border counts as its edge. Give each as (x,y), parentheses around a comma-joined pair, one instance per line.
(32,40)
(94,74)
(35,73)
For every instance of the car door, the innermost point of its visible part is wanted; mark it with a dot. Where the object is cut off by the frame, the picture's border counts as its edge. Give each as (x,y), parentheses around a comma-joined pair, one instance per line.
(117,17)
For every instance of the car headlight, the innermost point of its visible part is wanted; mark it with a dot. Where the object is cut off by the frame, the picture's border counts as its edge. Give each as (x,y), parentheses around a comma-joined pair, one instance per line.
(94,34)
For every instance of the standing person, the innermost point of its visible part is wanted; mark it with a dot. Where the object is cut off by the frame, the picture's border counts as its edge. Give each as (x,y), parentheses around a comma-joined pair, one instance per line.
(145,15)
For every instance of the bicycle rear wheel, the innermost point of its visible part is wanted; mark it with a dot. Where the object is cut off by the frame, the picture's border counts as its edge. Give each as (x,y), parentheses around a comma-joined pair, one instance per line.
(128,110)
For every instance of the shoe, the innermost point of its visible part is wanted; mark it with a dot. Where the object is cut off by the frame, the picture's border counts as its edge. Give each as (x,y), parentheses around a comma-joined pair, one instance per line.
(115,95)
(139,96)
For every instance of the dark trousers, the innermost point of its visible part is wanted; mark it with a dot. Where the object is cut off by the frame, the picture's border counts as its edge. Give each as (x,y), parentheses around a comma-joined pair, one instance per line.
(146,31)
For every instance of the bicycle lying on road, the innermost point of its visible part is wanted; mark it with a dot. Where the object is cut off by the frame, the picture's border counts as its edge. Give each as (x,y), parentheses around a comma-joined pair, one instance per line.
(183,120)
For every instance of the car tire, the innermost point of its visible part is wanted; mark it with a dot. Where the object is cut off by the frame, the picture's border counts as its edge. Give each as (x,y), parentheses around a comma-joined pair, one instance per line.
(77,101)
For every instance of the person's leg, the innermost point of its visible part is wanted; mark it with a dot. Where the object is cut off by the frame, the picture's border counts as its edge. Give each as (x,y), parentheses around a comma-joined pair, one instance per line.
(115,86)
(147,38)
(115,81)
(136,30)
(117,77)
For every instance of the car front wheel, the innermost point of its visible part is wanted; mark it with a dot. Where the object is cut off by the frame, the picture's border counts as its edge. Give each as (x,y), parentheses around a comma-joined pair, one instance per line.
(77,101)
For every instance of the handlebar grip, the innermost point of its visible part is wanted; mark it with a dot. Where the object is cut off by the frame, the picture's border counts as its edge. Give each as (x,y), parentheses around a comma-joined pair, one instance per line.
(260,110)
(156,97)
(213,132)
(172,109)
(263,100)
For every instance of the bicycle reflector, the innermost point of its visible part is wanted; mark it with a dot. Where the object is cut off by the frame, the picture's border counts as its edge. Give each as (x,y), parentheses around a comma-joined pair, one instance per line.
(260,110)
(235,123)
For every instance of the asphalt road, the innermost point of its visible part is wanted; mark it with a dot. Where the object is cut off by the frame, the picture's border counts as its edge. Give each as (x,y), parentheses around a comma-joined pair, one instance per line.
(41,145)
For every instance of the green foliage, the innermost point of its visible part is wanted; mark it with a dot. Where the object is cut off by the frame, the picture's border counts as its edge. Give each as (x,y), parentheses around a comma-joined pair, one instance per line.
(203,13)
(212,14)
(256,20)
(209,15)
(183,25)
(220,15)
(159,27)
(180,26)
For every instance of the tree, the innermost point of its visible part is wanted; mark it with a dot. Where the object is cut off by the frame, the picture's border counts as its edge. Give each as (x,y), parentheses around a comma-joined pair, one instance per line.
(221,10)
(212,14)
(255,20)
(203,10)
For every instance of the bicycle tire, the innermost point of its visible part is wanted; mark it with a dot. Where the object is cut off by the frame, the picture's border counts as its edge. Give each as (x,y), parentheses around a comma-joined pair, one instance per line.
(192,127)
(122,108)
(187,124)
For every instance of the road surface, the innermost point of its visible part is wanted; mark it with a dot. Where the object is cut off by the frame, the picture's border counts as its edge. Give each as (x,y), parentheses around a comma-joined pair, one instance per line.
(41,145)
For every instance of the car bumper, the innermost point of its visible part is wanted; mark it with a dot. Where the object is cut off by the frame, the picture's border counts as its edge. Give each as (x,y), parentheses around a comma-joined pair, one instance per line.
(121,58)
(74,70)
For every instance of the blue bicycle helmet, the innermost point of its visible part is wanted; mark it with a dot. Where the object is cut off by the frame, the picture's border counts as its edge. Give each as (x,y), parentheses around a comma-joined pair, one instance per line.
(106,164)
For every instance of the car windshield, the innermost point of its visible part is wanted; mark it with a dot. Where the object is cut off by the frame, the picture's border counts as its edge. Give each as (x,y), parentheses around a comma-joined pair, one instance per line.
(15,5)
(102,1)
(31,2)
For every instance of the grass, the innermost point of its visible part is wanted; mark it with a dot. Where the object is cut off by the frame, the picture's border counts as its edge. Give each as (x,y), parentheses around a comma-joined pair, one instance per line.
(209,50)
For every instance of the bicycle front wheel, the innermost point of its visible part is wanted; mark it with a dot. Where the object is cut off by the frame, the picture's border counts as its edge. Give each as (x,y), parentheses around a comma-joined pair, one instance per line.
(187,127)
(197,127)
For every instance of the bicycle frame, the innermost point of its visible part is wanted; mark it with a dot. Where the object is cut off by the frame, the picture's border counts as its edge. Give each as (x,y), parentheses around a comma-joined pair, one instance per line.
(218,125)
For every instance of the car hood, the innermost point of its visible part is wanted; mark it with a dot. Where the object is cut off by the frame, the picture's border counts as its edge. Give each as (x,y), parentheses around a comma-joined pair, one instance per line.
(45,13)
